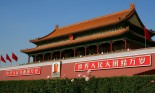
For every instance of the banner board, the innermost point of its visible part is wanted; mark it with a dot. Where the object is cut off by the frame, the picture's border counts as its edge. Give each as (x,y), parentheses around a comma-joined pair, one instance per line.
(133,61)
(23,71)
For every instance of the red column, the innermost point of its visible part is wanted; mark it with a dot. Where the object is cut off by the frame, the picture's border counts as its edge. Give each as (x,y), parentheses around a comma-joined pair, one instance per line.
(97,49)
(74,52)
(51,56)
(125,44)
(111,47)
(28,59)
(60,54)
(85,51)
(35,58)
(43,57)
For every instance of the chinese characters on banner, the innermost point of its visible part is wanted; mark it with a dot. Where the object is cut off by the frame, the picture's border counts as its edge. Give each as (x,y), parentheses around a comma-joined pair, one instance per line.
(134,61)
(56,69)
(23,71)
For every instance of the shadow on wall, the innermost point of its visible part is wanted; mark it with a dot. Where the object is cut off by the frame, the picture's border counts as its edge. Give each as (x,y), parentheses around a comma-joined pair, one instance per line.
(150,72)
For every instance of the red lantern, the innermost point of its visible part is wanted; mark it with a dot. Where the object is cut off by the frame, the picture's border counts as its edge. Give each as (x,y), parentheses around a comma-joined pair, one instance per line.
(71,37)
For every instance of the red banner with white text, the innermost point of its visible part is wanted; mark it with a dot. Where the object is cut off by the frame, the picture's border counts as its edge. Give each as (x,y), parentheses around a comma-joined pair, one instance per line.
(23,71)
(134,61)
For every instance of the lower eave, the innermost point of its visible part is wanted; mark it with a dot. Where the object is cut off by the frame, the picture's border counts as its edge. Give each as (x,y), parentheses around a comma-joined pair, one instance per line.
(141,36)
(79,40)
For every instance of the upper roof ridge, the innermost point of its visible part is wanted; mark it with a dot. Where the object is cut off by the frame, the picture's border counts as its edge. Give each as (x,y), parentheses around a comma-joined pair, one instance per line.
(92,19)
(132,7)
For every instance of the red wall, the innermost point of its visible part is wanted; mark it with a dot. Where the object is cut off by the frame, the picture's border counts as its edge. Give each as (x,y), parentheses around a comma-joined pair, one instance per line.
(68,71)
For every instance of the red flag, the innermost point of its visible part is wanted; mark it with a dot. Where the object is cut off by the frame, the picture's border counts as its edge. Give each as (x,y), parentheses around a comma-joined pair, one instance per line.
(14,56)
(147,34)
(2,59)
(8,58)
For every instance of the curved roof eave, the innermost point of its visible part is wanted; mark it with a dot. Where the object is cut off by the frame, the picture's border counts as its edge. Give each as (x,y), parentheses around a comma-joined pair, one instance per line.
(106,20)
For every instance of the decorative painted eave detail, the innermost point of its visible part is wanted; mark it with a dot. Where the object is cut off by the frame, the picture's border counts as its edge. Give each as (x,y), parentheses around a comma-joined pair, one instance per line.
(102,21)
(83,39)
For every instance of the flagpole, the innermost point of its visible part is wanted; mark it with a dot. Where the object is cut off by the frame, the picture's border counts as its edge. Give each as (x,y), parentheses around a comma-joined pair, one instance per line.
(17,63)
(145,34)
(0,62)
(145,41)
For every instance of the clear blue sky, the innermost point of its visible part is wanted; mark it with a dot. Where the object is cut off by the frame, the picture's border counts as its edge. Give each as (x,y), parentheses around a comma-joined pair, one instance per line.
(22,20)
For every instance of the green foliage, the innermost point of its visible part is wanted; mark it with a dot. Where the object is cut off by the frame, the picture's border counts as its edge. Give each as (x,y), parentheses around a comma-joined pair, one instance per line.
(135,84)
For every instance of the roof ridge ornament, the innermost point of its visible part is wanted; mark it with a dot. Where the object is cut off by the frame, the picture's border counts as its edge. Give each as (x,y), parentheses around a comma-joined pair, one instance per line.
(57,27)
(132,6)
